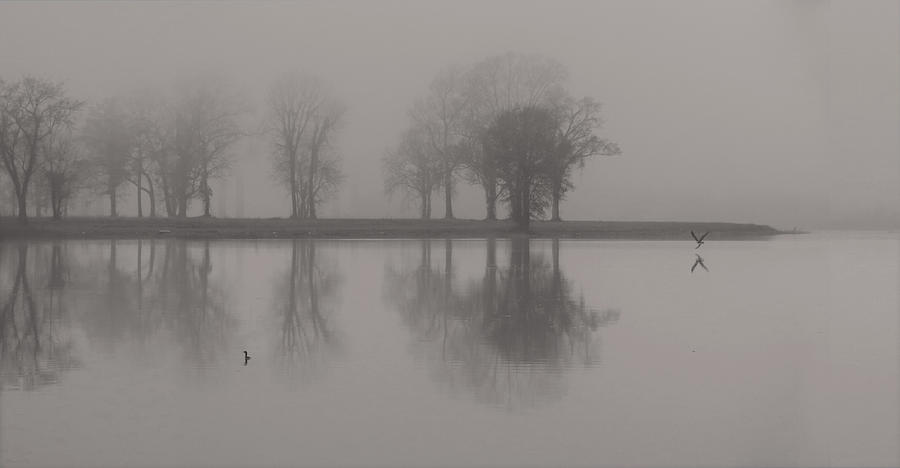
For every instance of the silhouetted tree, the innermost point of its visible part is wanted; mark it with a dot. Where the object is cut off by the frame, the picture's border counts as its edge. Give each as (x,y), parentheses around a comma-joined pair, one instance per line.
(64,169)
(440,117)
(521,143)
(293,102)
(495,85)
(147,113)
(206,125)
(578,122)
(109,138)
(323,171)
(413,169)
(32,110)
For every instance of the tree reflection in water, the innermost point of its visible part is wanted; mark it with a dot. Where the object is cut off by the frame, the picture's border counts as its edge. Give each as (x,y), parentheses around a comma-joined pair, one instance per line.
(34,348)
(120,297)
(508,338)
(305,299)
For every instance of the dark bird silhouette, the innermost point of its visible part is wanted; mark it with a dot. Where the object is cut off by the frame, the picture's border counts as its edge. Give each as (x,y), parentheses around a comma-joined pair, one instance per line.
(246,357)
(699,239)
(699,261)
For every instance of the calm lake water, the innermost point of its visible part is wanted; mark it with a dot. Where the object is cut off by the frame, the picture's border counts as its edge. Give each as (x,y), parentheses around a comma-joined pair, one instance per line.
(459,353)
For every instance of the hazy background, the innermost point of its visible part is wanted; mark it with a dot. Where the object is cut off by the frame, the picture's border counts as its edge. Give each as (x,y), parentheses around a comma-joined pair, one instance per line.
(778,112)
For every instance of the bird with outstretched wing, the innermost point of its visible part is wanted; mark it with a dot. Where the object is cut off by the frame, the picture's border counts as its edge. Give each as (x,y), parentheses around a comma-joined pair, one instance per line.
(699,240)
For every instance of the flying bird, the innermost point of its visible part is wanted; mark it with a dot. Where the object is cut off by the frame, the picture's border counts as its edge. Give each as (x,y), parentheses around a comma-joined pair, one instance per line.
(699,261)
(246,357)
(700,239)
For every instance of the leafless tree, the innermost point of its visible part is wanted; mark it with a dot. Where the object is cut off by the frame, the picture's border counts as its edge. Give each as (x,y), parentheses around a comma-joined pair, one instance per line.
(147,120)
(578,122)
(64,168)
(413,169)
(440,115)
(322,172)
(206,125)
(109,138)
(325,181)
(292,103)
(31,111)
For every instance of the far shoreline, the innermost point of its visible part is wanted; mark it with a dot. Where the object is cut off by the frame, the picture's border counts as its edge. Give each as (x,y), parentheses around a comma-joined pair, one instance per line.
(364,228)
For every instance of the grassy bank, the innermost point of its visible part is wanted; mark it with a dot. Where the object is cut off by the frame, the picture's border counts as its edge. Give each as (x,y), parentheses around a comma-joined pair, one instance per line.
(279,228)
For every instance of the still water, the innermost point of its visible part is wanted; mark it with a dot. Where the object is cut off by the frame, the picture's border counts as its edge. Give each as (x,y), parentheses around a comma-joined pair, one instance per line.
(459,353)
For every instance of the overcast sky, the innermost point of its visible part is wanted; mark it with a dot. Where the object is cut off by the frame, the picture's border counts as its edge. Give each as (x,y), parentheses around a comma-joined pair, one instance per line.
(778,112)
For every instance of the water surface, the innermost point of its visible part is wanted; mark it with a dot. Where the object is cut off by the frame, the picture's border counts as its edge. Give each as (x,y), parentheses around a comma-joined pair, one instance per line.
(459,353)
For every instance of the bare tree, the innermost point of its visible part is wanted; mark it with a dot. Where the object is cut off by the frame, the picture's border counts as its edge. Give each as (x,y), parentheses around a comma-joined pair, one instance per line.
(207,112)
(64,168)
(578,122)
(146,116)
(413,169)
(157,135)
(109,137)
(31,110)
(440,115)
(325,121)
(325,180)
(292,102)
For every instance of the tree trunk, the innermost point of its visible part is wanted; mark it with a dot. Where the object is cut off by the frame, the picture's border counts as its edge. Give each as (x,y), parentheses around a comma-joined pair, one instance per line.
(310,185)
(556,194)
(555,213)
(423,210)
(55,202)
(293,188)
(112,203)
(168,197)
(151,193)
(170,206)
(514,204)
(490,200)
(524,206)
(140,196)
(448,195)
(207,194)
(182,205)
(22,200)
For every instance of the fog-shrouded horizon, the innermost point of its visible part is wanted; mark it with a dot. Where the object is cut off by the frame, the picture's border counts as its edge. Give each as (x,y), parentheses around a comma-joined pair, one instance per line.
(784,113)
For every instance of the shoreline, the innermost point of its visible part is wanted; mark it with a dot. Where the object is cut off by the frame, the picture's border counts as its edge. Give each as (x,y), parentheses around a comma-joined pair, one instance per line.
(364,228)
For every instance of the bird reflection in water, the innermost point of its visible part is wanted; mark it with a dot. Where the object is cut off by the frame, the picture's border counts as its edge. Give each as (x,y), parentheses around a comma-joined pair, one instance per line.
(699,261)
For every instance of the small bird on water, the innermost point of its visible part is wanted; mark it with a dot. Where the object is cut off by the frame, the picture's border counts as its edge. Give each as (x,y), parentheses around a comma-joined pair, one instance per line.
(246,357)
(700,239)
(699,261)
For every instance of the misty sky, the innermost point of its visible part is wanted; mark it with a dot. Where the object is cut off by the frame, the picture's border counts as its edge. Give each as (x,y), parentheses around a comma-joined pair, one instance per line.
(778,112)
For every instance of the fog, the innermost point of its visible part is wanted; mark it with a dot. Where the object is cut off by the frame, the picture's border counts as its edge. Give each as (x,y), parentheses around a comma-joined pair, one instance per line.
(783,112)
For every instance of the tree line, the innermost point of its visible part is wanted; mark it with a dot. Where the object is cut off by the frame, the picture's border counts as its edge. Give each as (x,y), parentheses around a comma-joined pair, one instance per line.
(506,123)
(165,146)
